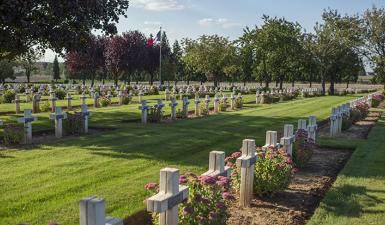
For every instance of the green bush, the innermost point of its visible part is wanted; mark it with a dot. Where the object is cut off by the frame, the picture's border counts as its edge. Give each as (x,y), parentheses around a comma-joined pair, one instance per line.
(153,90)
(238,103)
(302,149)
(126,100)
(45,107)
(13,134)
(155,115)
(346,122)
(273,171)
(204,111)
(8,96)
(104,102)
(60,94)
(73,124)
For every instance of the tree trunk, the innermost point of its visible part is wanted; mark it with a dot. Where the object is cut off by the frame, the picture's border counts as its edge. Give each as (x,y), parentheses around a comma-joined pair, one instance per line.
(267,84)
(280,84)
(323,87)
(151,79)
(188,82)
(28,73)
(293,83)
(310,82)
(332,87)
(347,84)
(276,83)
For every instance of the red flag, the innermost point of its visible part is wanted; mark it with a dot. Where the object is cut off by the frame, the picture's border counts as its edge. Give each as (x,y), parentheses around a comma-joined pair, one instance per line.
(150,42)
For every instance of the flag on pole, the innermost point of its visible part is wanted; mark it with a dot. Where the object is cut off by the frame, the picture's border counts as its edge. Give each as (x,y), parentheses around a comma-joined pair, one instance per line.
(156,40)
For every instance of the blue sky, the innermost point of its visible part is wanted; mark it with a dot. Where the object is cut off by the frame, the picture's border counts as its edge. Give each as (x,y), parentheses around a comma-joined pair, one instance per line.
(192,18)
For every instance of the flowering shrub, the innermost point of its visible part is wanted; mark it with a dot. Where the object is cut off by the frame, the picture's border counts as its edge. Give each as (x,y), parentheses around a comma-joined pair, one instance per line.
(60,94)
(153,90)
(346,122)
(104,102)
(222,107)
(180,114)
(303,148)
(155,115)
(377,99)
(238,104)
(8,96)
(73,124)
(13,134)
(273,171)
(359,112)
(204,111)
(207,203)
(45,107)
(126,100)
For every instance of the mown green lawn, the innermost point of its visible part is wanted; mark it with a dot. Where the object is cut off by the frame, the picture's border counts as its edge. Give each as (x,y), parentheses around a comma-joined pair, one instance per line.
(44,183)
(358,195)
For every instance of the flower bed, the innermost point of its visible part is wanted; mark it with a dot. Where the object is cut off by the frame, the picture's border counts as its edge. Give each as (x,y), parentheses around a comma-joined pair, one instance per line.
(209,198)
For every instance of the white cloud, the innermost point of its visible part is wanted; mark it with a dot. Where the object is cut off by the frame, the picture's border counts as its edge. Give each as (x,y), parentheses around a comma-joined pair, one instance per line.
(221,22)
(158,5)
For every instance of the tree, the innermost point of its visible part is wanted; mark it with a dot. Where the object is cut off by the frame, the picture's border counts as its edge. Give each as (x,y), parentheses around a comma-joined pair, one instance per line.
(114,54)
(56,69)
(28,62)
(337,38)
(208,55)
(56,24)
(374,21)
(6,71)
(88,60)
(179,65)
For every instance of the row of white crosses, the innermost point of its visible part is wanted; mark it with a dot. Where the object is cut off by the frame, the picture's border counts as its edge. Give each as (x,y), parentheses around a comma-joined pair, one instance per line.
(171,194)
(57,116)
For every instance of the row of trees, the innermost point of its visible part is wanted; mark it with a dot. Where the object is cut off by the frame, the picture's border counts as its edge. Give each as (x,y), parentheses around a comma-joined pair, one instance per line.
(277,51)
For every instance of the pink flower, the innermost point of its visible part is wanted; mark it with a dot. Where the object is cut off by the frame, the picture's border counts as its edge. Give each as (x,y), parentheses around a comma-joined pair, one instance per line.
(295,170)
(151,186)
(207,180)
(213,216)
(236,154)
(187,211)
(227,196)
(198,197)
(220,205)
(183,179)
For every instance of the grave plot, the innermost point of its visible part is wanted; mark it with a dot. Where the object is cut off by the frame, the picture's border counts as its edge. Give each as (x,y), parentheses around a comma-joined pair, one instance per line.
(297,203)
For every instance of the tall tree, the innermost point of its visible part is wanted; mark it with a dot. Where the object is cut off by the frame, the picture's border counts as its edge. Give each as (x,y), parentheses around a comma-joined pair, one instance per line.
(6,71)
(56,24)
(177,57)
(338,37)
(56,69)
(208,55)
(374,21)
(28,62)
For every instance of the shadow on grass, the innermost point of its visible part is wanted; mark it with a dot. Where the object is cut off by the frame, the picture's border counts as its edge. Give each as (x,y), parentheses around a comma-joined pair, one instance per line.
(349,201)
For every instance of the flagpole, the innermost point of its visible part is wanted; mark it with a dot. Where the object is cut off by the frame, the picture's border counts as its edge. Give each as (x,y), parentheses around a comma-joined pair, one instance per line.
(160,58)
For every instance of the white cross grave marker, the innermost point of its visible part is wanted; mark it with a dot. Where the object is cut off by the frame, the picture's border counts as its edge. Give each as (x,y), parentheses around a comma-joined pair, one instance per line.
(301,124)
(58,116)
(83,98)
(186,102)
(173,105)
(93,212)
(207,103)
(197,101)
(333,122)
(170,195)
(246,163)
(232,101)
(27,120)
(217,165)
(288,138)
(144,109)
(85,114)
(312,128)
(271,140)
(53,100)
(17,104)
(216,104)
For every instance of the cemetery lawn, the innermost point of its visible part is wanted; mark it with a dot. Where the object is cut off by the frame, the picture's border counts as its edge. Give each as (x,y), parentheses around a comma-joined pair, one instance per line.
(358,195)
(43,184)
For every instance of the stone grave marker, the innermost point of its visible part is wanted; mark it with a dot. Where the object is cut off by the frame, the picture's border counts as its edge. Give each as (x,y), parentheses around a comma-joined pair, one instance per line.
(93,212)
(144,111)
(58,116)
(27,120)
(85,115)
(173,105)
(288,138)
(170,195)
(217,165)
(271,140)
(197,101)
(246,163)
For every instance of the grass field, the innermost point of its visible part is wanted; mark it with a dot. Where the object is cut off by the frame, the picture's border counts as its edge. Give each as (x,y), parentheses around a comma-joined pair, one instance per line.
(44,183)
(358,195)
